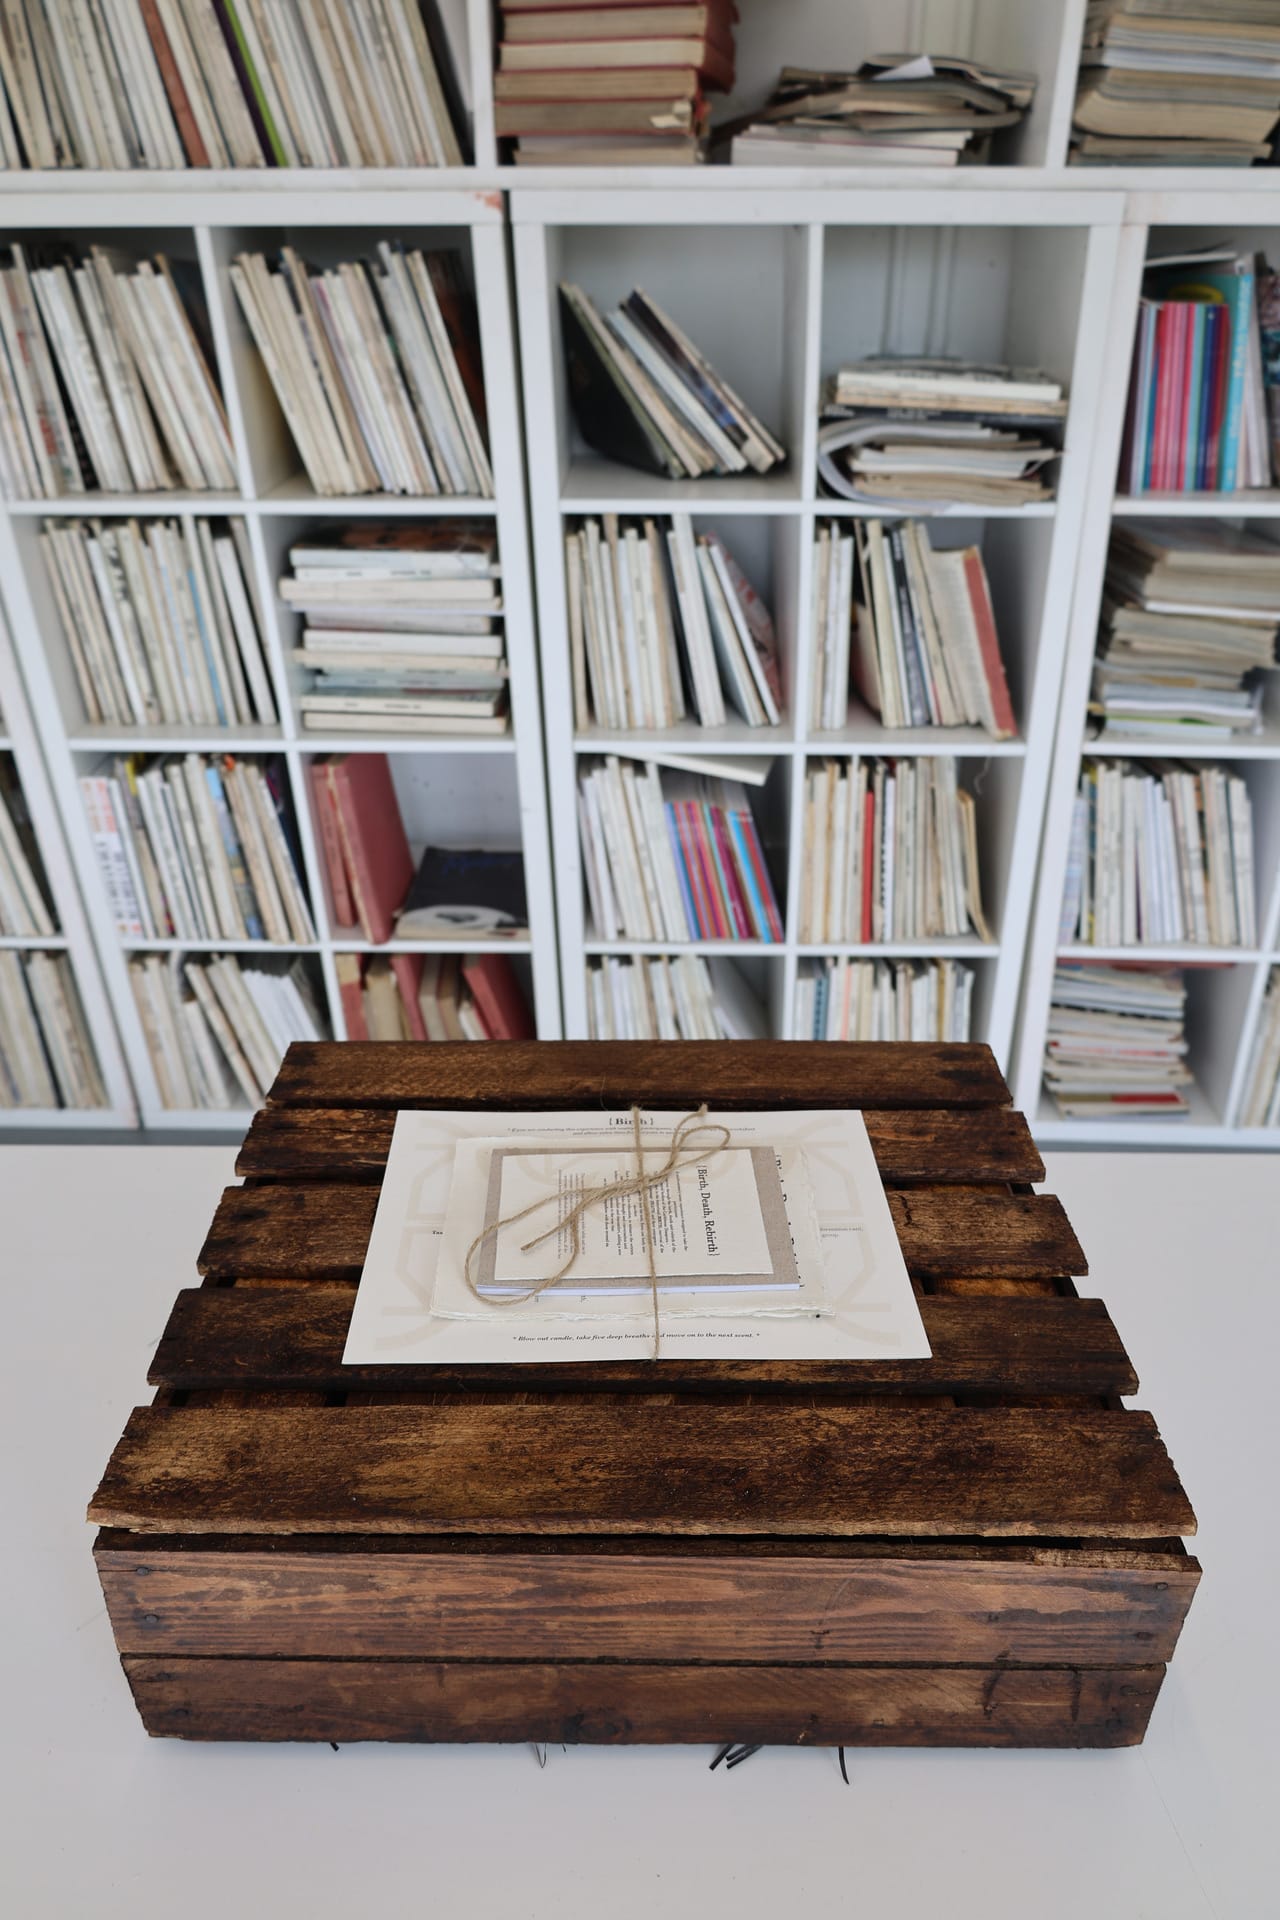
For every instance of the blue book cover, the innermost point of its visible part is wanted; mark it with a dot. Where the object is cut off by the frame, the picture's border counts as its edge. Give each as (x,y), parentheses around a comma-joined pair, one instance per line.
(742,853)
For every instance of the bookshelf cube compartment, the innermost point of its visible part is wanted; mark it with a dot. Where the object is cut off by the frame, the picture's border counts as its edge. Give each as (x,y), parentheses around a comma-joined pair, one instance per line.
(978,972)
(739,997)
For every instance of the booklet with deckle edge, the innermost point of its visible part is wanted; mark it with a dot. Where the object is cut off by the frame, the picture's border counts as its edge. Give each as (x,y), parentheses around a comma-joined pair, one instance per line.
(776,1243)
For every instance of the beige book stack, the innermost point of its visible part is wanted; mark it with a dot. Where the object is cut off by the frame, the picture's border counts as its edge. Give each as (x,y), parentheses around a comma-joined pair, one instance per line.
(1177,83)
(1116,1044)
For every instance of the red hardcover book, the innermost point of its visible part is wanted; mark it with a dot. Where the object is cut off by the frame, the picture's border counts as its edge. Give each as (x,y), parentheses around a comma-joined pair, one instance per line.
(407,968)
(351,994)
(179,100)
(975,578)
(374,846)
(341,905)
(496,992)
(868,863)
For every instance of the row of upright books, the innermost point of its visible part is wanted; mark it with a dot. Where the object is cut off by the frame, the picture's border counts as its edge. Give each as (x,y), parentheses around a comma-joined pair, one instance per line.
(26,908)
(445,996)
(216,1029)
(1260,1104)
(684,996)
(841,999)
(46,1055)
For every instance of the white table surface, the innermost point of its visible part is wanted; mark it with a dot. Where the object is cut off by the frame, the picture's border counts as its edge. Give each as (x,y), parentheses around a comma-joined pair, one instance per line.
(97,1821)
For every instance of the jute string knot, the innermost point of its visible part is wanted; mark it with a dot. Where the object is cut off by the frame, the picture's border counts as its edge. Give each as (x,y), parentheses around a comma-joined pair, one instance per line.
(679,1153)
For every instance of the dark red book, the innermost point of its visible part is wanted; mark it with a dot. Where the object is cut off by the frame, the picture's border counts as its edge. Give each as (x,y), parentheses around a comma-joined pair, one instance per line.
(375,848)
(341,905)
(496,992)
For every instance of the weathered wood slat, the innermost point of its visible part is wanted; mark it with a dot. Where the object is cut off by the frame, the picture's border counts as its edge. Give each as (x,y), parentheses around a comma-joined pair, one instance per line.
(628,1467)
(294,1336)
(350,1145)
(321,1233)
(580,1073)
(1092,1607)
(342,1700)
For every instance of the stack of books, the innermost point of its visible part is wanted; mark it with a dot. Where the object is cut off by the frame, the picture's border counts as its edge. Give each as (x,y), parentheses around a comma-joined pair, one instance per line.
(106,377)
(446,996)
(217,1029)
(896,109)
(46,1055)
(225,83)
(684,996)
(1177,83)
(891,853)
(883,1000)
(1116,1042)
(26,908)
(922,632)
(662,621)
(1261,1104)
(161,621)
(936,433)
(673,859)
(198,848)
(401,630)
(643,394)
(1204,394)
(376,365)
(605,83)
(1189,620)
(1160,856)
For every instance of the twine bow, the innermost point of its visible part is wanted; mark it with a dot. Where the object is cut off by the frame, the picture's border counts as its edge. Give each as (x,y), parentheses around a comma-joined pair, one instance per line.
(641,1182)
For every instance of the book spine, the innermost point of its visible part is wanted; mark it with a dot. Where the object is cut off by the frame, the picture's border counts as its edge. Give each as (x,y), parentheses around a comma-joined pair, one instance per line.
(196,150)
(1233,423)
(326,818)
(1194,387)
(989,644)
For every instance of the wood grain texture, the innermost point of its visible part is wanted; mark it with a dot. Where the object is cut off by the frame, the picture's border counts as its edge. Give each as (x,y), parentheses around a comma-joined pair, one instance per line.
(436,1601)
(610,1073)
(633,1467)
(345,1700)
(350,1145)
(294,1336)
(322,1232)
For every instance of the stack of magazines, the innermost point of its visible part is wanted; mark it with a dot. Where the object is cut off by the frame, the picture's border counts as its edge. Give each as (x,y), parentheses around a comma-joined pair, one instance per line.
(1116,1043)
(161,621)
(46,1055)
(217,1029)
(106,376)
(26,911)
(1160,856)
(673,859)
(883,1000)
(643,394)
(198,848)
(1177,83)
(1189,620)
(224,83)
(891,853)
(376,365)
(936,433)
(922,632)
(662,620)
(402,627)
(896,109)
(1261,1104)
(683,996)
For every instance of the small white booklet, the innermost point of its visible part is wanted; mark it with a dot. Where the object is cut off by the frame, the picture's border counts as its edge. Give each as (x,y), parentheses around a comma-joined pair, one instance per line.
(787,1252)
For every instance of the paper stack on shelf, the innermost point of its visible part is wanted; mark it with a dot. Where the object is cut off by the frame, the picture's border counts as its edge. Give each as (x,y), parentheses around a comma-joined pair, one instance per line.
(1160,856)
(446,996)
(604,83)
(891,853)
(106,376)
(924,433)
(1260,1106)
(217,1029)
(376,365)
(1116,1044)
(402,627)
(1189,618)
(1177,83)
(26,908)
(883,1000)
(46,1055)
(922,633)
(198,848)
(225,83)
(685,996)
(161,621)
(644,395)
(896,109)
(673,859)
(1204,394)
(662,621)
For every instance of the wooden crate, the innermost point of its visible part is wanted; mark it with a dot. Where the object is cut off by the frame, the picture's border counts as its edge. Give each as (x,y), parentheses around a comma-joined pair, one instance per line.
(978,1549)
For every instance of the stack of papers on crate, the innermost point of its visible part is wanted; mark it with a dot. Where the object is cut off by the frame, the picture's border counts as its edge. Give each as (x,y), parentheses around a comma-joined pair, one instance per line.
(1116,1042)
(1178,83)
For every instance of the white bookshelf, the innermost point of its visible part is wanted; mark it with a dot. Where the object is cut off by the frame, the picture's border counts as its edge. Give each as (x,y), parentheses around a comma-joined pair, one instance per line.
(777,287)
(451,790)
(1225,986)
(20,741)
